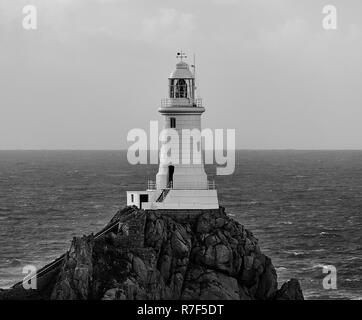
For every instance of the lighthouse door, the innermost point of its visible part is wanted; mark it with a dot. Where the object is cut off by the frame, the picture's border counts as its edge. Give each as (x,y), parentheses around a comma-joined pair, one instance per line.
(143,199)
(171,170)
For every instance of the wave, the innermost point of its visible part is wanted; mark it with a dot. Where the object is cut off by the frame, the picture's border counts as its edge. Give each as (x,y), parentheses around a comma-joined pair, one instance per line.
(296,254)
(13,262)
(280,269)
(285,222)
(330,234)
(252,203)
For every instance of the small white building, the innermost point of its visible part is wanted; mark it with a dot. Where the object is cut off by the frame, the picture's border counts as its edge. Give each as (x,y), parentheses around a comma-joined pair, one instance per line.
(181,182)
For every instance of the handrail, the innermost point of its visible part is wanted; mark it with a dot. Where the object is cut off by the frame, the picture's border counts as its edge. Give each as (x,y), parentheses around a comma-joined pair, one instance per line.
(163,195)
(59,259)
(211,185)
(151,185)
(187,102)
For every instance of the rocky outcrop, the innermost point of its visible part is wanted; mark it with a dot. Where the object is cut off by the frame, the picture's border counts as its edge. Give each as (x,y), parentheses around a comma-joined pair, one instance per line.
(76,274)
(290,290)
(195,254)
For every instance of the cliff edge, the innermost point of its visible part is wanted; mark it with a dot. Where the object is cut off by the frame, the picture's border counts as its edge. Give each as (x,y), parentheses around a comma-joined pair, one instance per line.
(188,254)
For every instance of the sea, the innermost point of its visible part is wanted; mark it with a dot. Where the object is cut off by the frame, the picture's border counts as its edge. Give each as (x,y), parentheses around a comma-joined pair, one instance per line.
(305,207)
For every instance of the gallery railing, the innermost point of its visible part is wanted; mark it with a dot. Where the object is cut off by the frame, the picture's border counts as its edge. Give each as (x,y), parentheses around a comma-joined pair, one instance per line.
(152,185)
(176,102)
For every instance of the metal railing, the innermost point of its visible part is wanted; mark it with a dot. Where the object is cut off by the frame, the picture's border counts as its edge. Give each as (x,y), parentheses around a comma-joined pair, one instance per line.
(152,185)
(58,262)
(211,185)
(163,195)
(183,102)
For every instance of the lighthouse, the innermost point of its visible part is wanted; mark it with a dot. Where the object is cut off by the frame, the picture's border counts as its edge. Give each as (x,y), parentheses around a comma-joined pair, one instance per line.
(181,181)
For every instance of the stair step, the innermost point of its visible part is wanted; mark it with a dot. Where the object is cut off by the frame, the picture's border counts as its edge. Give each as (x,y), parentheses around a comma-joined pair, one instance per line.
(163,195)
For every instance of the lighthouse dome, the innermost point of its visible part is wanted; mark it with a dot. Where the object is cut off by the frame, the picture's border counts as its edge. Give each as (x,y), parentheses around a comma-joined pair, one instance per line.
(182,71)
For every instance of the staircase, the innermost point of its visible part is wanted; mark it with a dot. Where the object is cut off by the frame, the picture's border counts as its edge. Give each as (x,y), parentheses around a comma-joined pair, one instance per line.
(55,266)
(163,195)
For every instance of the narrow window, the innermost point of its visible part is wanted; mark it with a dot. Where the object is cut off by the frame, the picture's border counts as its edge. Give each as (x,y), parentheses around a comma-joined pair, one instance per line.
(132,198)
(173,122)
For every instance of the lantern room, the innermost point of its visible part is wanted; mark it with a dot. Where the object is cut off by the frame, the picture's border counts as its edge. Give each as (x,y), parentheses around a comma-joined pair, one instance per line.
(182,82)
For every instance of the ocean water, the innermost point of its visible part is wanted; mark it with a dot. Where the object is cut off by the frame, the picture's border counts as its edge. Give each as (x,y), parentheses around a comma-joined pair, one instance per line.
(305,207)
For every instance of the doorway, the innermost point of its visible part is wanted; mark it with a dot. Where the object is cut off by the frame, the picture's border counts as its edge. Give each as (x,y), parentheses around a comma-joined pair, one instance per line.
(171,170)
(143,198)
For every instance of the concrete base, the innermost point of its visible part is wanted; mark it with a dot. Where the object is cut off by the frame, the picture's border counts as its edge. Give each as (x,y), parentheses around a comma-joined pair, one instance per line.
(175,199)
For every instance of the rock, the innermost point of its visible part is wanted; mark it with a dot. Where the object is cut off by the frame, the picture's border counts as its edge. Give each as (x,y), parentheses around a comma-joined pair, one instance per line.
(220,222)
(203,226)
(206,284)
(75,278)
(112,294)
(290,290)
(166,256)
(181,242)
(267,284)
(139,268)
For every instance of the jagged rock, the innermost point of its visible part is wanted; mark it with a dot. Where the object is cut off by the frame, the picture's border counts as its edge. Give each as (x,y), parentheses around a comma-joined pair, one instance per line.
(114,294)
(206,284)
(267,284)
(139,268)
(290,290)
(166,255)
(76,273)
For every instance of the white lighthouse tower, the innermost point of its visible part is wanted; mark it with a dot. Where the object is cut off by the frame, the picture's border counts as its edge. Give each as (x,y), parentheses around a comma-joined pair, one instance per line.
(181,181)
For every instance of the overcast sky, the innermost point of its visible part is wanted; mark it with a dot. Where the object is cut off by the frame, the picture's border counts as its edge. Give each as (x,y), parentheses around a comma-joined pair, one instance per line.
(94,69)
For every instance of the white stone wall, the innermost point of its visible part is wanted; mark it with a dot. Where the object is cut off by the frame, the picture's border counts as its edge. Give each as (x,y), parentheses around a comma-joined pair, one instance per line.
(186,154)
(190,199)
(152,196)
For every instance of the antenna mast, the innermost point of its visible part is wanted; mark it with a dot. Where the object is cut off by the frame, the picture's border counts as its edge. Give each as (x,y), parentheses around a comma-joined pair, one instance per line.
(194,69)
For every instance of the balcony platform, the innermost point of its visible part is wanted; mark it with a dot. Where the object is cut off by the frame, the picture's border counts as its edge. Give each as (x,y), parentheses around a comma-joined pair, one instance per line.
(175,199)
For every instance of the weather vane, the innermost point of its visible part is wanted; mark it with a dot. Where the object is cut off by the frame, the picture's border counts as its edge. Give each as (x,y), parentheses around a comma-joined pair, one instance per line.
(181,55)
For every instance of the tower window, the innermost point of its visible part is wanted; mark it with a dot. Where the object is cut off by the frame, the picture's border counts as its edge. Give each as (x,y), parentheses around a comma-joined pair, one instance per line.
(173,122)
(132,198)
